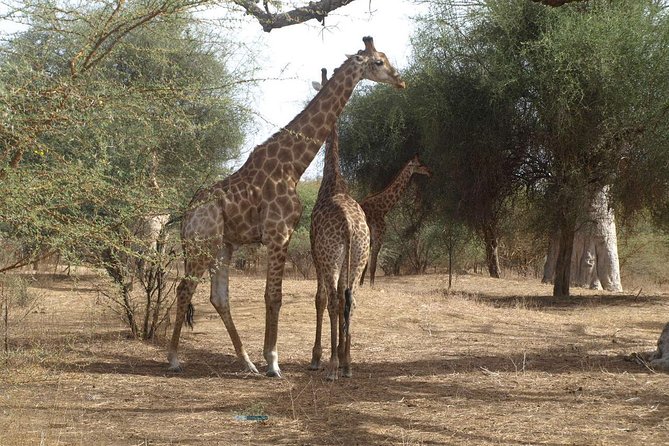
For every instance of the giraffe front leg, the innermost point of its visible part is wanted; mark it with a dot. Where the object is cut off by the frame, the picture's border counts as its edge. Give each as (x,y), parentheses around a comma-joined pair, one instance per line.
(321,300)
(220,299)
(275,266)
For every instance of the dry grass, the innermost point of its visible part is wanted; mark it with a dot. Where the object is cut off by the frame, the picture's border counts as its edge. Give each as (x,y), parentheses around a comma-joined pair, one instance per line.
(492,362)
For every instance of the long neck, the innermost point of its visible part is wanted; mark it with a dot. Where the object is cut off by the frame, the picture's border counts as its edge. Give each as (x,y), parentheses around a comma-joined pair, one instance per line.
(386,199)
(333,183)
(296,145)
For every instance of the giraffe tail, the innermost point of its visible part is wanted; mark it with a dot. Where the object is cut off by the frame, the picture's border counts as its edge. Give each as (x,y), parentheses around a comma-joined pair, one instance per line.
(348,301)
(190,313)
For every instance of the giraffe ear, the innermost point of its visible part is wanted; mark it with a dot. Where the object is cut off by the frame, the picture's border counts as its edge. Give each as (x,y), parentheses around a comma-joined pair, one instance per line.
(317,85)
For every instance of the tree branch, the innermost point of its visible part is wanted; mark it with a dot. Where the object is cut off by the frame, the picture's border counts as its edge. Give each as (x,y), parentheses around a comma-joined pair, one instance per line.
(314,10)
(557,2)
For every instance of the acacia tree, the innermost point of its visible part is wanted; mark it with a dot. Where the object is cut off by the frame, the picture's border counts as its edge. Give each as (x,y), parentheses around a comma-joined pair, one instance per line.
(464,127)
(470,133)
(130,143)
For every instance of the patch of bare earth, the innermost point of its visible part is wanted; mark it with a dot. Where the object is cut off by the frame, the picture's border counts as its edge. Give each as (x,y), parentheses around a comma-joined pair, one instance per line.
(492,362)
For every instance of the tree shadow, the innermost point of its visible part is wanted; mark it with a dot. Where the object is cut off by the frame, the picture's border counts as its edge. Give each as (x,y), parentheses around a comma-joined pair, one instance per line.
(341,411)
(440,384)
(80,282)
(548,302)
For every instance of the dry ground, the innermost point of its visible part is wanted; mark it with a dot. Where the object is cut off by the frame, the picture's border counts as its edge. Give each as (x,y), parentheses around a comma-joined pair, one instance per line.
(494,362)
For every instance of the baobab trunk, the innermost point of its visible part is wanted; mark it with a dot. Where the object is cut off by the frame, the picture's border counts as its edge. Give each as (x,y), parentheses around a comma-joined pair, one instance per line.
(594,258)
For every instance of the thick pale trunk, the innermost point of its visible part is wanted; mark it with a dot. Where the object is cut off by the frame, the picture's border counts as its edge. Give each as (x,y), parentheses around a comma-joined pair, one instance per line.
(594,259)
(606,244)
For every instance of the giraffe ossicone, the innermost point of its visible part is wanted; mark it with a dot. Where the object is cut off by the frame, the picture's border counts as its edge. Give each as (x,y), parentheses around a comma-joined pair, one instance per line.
(259,203)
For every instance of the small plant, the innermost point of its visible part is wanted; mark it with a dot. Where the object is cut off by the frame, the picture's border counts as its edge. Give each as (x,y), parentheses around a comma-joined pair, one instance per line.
(146,311)
(16,302)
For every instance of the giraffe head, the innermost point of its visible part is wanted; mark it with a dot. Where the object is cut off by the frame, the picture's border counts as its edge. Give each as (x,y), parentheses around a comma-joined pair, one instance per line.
(418,167)
(375,65)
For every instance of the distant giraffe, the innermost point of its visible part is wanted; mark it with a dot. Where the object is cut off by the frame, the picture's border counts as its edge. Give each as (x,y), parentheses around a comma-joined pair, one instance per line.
(377,205)
(258,203)
(340,247)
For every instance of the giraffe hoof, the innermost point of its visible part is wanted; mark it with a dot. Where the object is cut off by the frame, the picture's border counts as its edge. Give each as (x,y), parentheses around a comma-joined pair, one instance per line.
(175,368)
(252,368)
(315,365)
(274,373)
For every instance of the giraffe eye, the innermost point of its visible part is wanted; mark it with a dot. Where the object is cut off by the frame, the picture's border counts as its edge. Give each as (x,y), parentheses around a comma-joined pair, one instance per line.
(378,62)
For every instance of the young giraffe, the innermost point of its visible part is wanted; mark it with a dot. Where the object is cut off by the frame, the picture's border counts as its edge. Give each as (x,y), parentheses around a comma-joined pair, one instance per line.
(376,206)
(258,203)
(340,247)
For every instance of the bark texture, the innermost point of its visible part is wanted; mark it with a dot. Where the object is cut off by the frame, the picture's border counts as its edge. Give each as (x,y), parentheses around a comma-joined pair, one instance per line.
(594,258)
(491,251)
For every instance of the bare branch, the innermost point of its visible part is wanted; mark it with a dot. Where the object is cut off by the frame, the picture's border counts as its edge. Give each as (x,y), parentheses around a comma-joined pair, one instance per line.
(314,10)
(557,2)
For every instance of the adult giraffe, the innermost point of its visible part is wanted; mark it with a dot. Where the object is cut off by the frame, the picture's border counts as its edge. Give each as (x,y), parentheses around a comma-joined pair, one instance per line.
(377,205)
(340,247)
(259,203)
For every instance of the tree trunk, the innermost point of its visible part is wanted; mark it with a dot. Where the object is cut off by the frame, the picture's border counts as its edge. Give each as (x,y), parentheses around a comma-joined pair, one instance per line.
(563,262)
(607,267)
(594,261)
(491,252)
(450,266)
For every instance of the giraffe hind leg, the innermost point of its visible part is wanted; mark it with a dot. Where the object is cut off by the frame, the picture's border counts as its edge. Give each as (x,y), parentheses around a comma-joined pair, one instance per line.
(358,264)
(332,369)
(317,351)
(185,291)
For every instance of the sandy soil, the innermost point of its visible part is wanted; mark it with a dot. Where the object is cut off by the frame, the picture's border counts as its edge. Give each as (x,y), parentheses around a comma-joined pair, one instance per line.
(493,362)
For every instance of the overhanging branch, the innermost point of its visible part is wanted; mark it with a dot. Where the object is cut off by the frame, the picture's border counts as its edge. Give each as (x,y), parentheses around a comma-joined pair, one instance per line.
(314,10)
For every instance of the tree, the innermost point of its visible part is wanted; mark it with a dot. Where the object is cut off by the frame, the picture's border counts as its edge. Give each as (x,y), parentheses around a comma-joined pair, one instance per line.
(575,72)
(99,154)
(592,109)
(470,133)
(466,128)
(594,260)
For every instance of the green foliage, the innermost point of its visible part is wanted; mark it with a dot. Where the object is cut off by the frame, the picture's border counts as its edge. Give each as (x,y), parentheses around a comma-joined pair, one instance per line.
(376,138)
(87,154)
(113,117)
(510,96)
(643,251)
(299,251)
(308,192)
